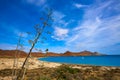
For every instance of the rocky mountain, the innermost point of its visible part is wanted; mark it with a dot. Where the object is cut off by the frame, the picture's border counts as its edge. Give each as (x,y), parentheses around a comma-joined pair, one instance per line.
(11,53)
(52,54)
(37,54)
(83,53)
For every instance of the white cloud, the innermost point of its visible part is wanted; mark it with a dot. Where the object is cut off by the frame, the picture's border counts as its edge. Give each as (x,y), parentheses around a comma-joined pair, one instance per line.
(7,46)
(60,33)
(96,31)
(97,10)
(58,15)
(36,2)
(78,5)
(20,33)
(58,49)
(59,19)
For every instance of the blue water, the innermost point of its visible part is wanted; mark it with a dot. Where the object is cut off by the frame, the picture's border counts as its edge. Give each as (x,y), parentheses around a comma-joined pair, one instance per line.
(112,60)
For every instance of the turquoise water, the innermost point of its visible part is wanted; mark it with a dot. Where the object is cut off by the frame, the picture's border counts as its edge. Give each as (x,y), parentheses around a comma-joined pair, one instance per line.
(112,60)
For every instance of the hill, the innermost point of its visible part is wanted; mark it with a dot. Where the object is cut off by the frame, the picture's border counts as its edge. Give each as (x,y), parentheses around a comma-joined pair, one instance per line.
(11,53)
(83,53)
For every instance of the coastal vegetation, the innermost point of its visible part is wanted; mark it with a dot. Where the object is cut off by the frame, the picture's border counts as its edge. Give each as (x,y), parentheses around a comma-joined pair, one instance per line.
(66,72)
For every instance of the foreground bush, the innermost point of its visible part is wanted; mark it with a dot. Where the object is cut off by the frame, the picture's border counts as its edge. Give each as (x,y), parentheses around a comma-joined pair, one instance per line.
(66,72)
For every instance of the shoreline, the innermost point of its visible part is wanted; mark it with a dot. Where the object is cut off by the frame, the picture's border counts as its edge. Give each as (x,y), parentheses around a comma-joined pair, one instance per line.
(34,63)
(50,69)
(79,64)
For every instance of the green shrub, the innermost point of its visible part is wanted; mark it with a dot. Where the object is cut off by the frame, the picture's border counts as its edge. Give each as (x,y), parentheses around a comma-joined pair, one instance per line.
(65,72)
(44,78)
(93,78)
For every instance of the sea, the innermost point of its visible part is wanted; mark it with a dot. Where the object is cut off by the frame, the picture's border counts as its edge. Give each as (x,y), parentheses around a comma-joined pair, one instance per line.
(106,60)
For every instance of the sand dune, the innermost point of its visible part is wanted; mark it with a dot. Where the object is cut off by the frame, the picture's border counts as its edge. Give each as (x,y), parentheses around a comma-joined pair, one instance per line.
(7,63)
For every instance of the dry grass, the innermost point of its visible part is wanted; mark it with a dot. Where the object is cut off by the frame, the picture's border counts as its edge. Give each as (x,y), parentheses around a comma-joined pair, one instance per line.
(65,72)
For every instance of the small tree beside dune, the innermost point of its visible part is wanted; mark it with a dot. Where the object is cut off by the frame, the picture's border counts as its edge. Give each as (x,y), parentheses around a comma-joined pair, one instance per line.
(45,22)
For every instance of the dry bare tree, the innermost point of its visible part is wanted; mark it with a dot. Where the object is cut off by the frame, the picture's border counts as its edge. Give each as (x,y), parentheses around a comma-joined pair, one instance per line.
(39,30)
(16,56)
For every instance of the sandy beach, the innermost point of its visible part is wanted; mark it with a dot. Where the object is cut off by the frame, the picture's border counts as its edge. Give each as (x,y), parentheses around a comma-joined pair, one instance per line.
(7,63)
(34,63)
(42,68)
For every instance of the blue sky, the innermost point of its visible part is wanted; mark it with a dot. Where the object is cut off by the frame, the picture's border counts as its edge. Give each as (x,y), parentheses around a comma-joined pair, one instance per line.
(92,25)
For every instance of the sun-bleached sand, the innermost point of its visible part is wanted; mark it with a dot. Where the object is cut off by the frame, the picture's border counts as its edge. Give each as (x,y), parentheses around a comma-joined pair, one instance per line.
(7,63)
(34,63)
